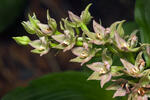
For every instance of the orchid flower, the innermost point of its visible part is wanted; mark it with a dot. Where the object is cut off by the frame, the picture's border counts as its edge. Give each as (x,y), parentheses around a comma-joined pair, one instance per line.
(41,46)
(84,54)
(101,69)
(121,86)
(100,37)
(126,46)
(137,69)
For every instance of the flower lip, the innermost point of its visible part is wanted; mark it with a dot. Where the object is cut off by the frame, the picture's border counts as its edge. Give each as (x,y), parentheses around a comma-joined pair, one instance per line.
(84,54)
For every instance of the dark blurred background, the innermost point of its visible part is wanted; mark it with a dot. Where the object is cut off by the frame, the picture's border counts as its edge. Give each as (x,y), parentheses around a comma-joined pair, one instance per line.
(17,65)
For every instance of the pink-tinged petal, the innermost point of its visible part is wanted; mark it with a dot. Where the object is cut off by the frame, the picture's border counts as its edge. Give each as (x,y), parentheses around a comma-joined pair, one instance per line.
(113,87)
(121,43)
(94,76)
(45,52)
(97,66)
(148,50)
(69,47)
(142,97)
(140,63)
(97,42)
(86,60)
(77,59)
(77,51)
(105,78)
(120,92)
(91,35)
(73,17)
(59,38)
(44,28)
(36,44)
(127,65)
(98,28)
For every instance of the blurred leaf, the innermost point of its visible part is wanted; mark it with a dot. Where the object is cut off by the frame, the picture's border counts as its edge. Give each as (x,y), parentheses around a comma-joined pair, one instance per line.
(61,86)
(142,17)
(9,11)
(129,27)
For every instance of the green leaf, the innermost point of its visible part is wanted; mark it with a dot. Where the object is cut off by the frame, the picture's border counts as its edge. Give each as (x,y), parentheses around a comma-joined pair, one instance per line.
(85,15)
(22,40)
(61,86)
(142,17)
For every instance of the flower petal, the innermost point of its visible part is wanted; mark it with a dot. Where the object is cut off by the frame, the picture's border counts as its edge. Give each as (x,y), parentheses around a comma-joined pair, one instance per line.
(73,17)
(69,47)
(98,28)
(94,76)
(120,92)
(121,43)
(77,51)
(127,65)
(77,59)
(86,60)
(96,66)
(59,38)
(142,97)
(105,78)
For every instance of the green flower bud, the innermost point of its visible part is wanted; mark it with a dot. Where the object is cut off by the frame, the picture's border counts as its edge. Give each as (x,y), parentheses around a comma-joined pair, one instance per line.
(23,40)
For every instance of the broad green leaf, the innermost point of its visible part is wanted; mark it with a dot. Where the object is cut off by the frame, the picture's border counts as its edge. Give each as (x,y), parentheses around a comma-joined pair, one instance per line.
(61,86)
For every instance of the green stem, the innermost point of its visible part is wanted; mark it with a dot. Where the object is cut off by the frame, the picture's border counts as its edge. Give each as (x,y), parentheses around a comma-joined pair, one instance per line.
(57,33)
(84,27)
(77,31)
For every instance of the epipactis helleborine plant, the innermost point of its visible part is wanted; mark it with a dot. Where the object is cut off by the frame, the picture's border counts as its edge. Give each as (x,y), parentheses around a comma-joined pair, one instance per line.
(131,78)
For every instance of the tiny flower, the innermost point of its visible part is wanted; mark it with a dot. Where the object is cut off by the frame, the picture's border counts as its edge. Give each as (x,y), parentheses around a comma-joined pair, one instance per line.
(137,69)
(34,26)
(85,16)
(100,37)
(66,40)
(121,86)
(83,54)
(44,28)
(101,69)
(139,92)
(133,39)
(41,46)
(126,46)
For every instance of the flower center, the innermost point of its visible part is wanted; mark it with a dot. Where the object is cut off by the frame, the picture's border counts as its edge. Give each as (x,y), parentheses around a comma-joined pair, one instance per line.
(66,43)
(84,54)
(102,71)
(99,36)
(141,91)
(134,70)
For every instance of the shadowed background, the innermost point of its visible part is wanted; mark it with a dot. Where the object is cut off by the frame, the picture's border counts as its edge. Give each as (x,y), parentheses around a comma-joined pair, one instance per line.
(17,64)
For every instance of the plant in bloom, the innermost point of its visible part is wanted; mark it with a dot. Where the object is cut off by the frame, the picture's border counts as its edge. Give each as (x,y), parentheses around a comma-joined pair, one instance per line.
(130,78)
